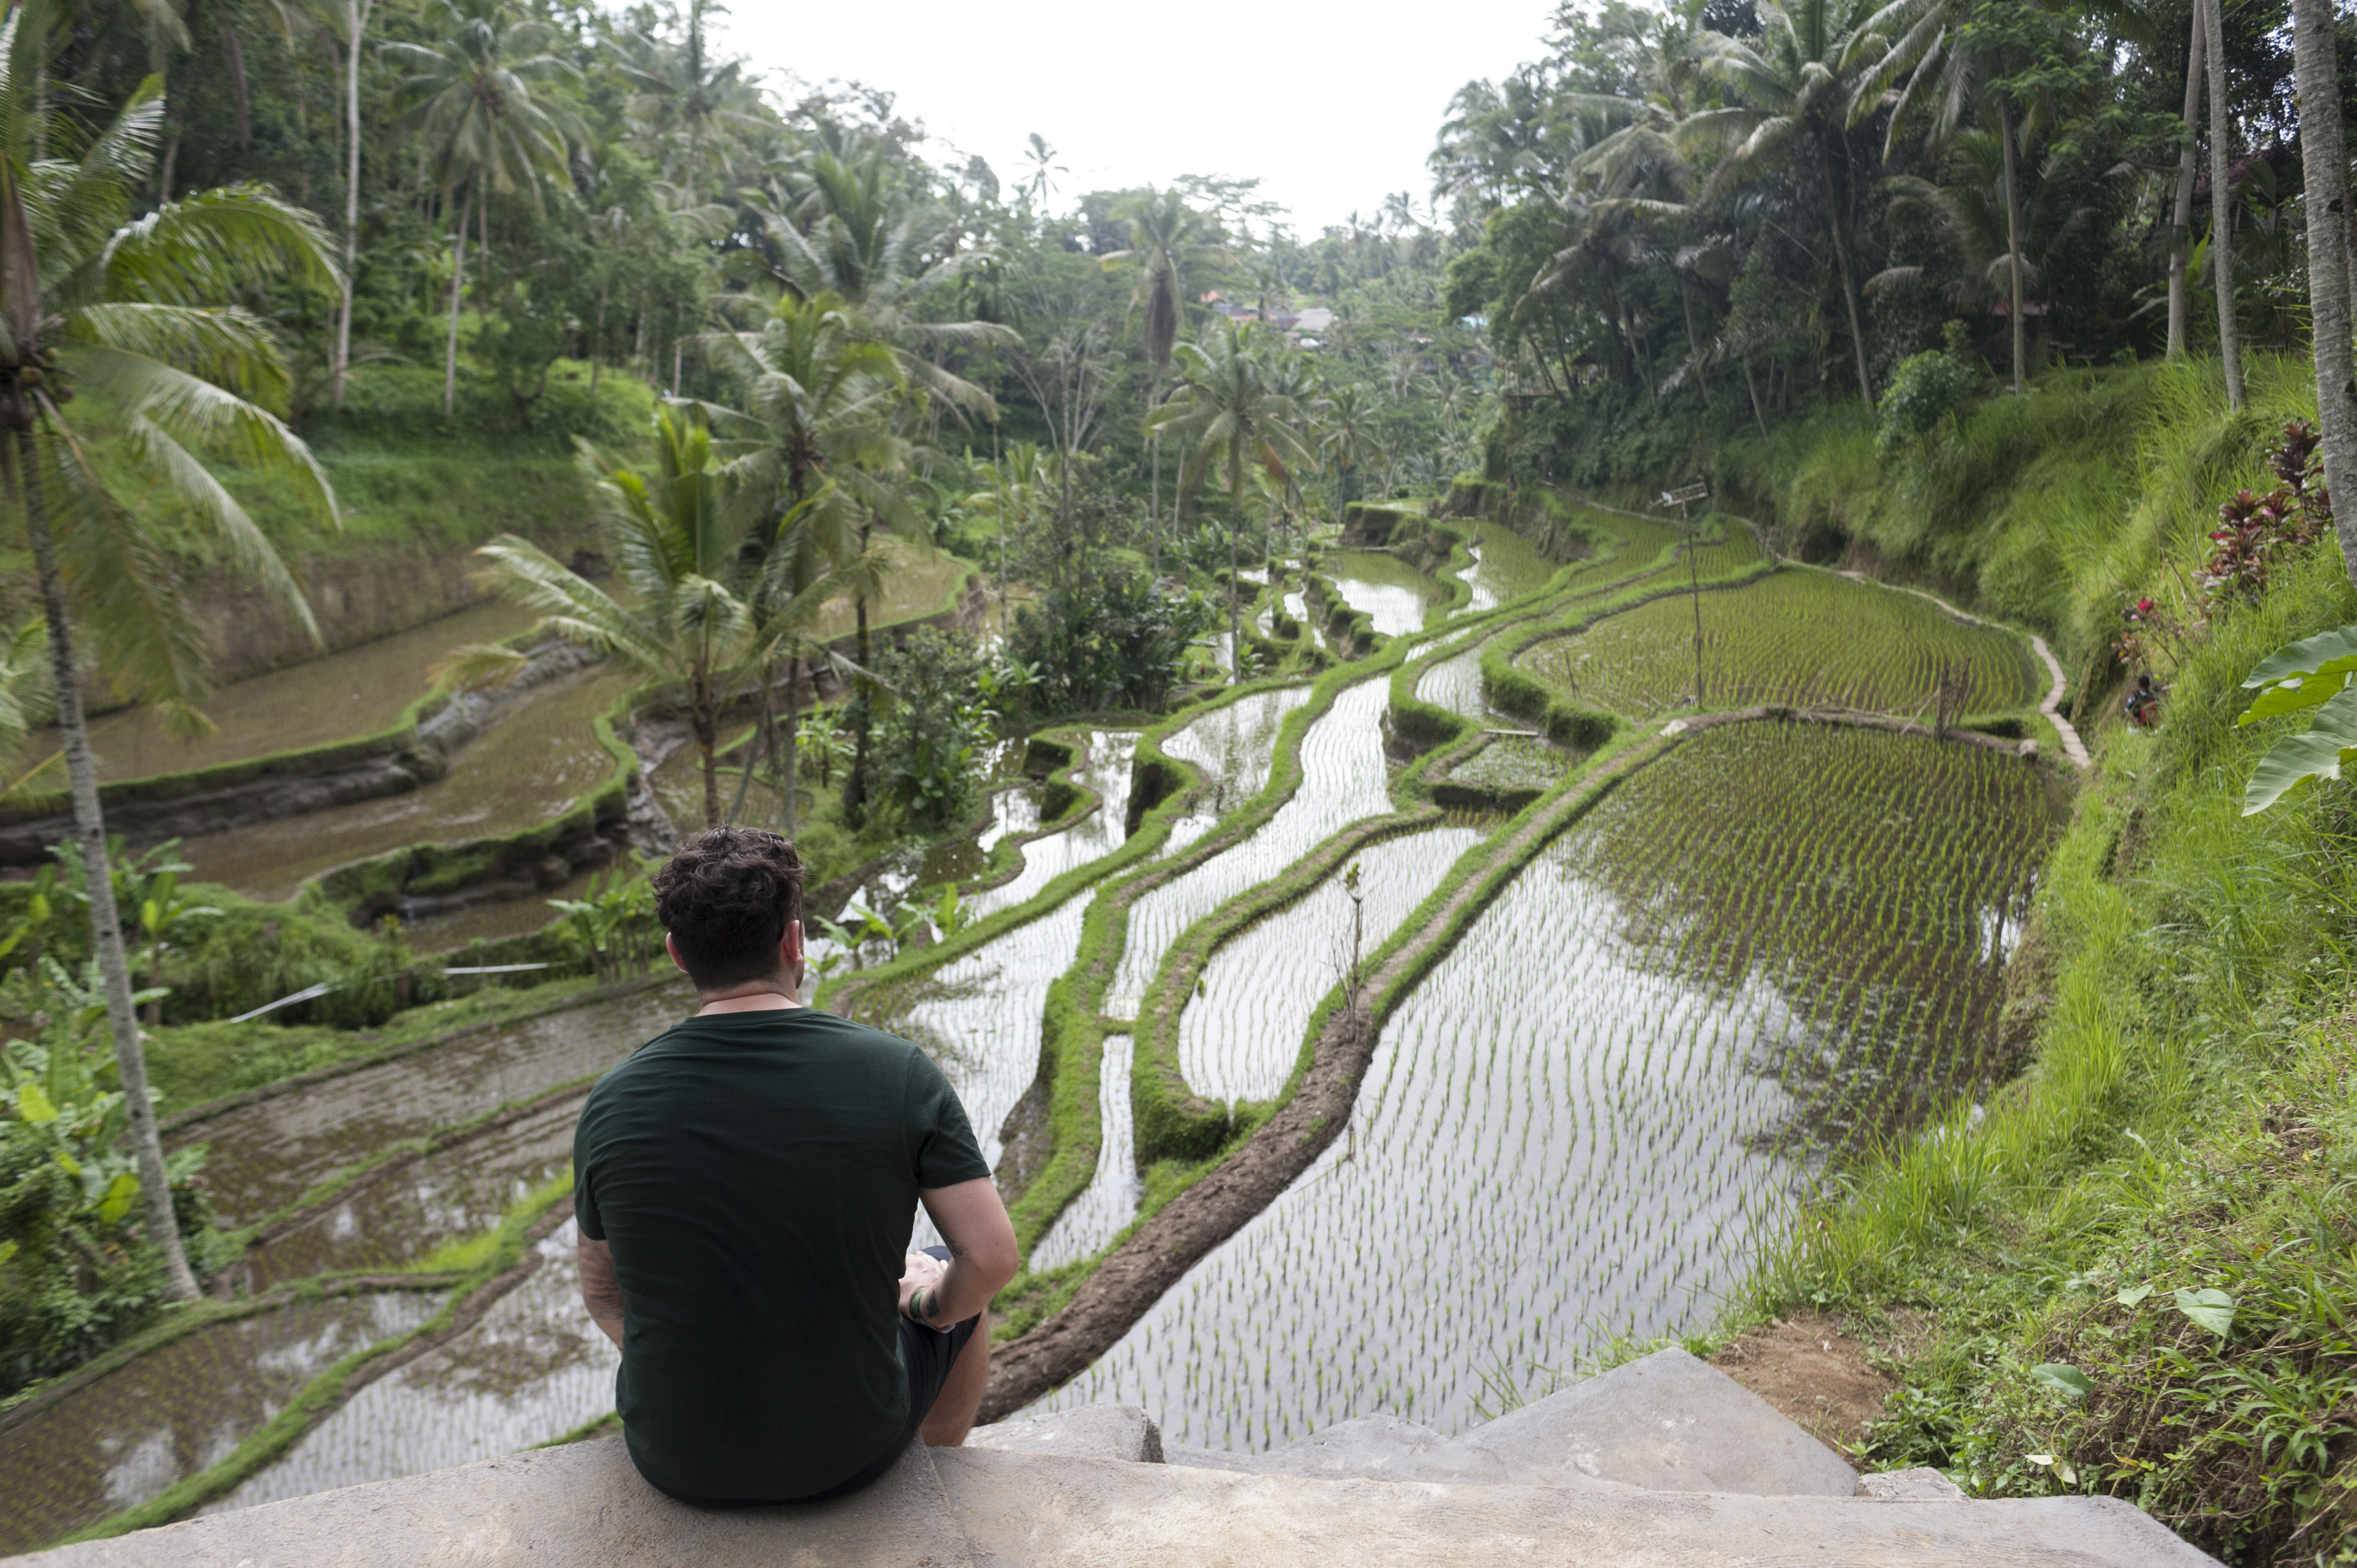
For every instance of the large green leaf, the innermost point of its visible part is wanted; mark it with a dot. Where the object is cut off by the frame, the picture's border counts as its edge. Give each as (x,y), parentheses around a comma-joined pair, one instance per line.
(2213,1309)
(120,1193)
(2320,752)
(2303,675)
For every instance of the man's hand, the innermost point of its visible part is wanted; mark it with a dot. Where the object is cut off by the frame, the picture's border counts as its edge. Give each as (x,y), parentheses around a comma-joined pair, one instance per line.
(981,1241)
(921,1268)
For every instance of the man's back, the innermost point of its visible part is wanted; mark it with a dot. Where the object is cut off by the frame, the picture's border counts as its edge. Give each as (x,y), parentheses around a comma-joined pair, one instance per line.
(755,1174)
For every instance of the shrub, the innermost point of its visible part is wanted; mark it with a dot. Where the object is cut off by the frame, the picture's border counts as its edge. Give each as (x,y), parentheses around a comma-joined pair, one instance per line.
(1931,389)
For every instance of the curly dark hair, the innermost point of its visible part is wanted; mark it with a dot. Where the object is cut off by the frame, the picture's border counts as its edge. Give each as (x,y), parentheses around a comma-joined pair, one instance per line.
(726,898)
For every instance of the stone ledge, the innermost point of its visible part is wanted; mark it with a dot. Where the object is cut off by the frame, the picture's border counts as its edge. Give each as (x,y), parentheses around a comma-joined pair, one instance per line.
(581,1506)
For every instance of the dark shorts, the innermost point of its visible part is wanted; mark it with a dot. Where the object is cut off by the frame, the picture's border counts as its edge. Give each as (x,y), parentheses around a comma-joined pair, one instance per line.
(929,1354)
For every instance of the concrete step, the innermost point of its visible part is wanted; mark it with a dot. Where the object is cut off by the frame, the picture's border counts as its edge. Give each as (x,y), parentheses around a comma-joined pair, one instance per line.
(1665,1422)
(583,1507)
(1662,1461)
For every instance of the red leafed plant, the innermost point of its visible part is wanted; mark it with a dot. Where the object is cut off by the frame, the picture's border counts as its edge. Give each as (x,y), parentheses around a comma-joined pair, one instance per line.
(2255,532)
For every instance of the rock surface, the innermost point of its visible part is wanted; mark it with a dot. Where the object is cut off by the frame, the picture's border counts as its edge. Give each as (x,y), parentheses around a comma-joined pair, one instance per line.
(1044,1512)
(1088,1432)
(1665,1423)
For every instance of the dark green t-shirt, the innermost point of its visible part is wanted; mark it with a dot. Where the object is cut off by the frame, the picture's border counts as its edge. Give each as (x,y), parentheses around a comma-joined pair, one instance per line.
(756,1175)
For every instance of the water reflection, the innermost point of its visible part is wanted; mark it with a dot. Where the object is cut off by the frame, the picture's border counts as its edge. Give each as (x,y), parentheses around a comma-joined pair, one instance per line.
(172,1413)
(1110,1201)
(534,1368)
(1596,1106)
(536,763)
(1394,595)
(266,1153)
(360,690)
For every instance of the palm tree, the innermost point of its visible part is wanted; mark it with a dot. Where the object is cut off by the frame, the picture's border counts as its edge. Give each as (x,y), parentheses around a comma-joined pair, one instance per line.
(2222,206)
(1349,434)
(134,310)
(2324,145)
(803,569)
(812,435)
(1232,420)
(1817,68)
(854,236)
(676,548)
(1166,237)
(485,129)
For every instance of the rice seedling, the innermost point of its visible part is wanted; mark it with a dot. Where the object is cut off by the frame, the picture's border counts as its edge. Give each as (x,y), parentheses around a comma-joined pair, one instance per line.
(1110,1201)
(1590,1116)
(1795,636)
(1344,779)
(1241,1036)
(1505,567)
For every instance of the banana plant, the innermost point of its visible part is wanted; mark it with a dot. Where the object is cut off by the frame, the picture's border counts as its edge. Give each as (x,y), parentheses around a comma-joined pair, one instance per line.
(2313,673)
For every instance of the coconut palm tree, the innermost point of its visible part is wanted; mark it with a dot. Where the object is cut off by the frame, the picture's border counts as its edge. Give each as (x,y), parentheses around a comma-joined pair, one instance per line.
(1166,238)
(137,311)
(485,129)
(1232,420)
(1349,434)
(677,549)
(1816,68)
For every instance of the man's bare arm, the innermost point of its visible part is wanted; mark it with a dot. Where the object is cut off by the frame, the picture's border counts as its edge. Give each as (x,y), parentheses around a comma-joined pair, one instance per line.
(981,1240)
(600,1292)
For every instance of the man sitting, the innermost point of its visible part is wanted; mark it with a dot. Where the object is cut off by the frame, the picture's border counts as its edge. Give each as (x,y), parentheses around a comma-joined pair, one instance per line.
(744,1185)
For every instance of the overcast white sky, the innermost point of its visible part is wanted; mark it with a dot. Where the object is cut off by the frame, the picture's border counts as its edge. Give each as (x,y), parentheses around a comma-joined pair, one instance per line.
(1332,104)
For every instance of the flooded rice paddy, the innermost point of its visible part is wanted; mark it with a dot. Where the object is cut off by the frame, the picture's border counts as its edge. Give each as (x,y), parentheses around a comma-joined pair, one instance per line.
(1395,596)
(1091,1220)
(147,1425)
(536,763)
(1505,567)
(1583,1122)
(1794,637)
(532,1368)
(356,691)
(1240,1038)
(1344,780)
(1104,770)
(265,1154)
(1767,947)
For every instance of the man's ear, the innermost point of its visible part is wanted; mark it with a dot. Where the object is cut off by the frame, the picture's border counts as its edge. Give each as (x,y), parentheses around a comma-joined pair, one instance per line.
(670,946)
(791,946)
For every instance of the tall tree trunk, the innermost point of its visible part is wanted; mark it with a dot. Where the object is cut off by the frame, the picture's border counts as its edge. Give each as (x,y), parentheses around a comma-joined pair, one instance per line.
(1753,388)
(2012,236)
(854,784)
(597,343)
(2181,216)
(761,747)
(791,743)
(1841,255)
(2222,209)
(457,280)
(1694,344)
(162,1230)
(1154,504)
(2325,158)
(1236,520)
(703,718)
(234,58)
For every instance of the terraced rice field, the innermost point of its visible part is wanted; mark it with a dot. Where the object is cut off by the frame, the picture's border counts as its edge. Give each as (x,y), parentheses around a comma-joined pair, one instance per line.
(1110,1201)
(1395,596)
(1344,780)
(1505,567)
(1587,1117)
(1240,1038)
(533,1368)
(1099,833)
(1454,683)
(532,766)
(145,1426)
(1514,762)
(356,692)
(1796,636)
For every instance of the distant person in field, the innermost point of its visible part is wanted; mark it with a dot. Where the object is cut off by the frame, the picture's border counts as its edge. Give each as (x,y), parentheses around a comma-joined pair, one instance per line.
(746,1184)
(2144,703)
